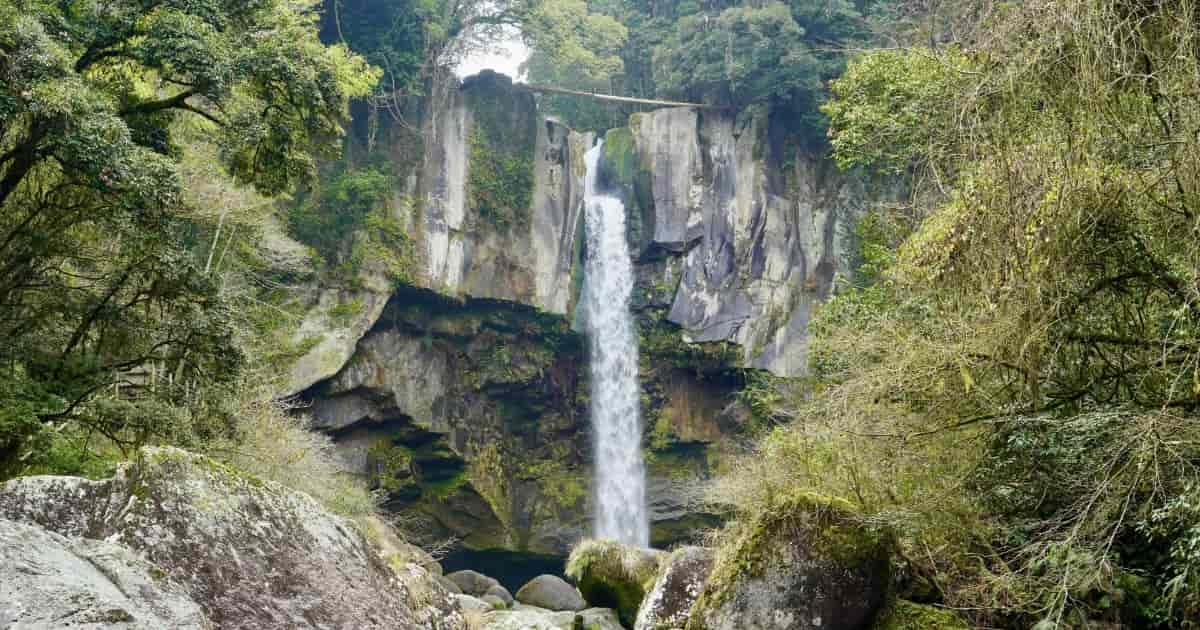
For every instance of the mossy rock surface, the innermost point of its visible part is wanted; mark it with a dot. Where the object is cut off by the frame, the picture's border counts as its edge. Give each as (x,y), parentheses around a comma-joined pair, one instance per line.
(809,563)
(906,615)
(612,575)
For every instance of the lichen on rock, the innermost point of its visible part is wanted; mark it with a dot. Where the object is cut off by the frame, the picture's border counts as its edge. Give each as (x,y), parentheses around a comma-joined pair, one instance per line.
(251,553)
(51,581)
(669,602)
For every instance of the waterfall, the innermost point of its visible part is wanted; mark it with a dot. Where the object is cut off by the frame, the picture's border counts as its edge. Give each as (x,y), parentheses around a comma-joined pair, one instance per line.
(615,393)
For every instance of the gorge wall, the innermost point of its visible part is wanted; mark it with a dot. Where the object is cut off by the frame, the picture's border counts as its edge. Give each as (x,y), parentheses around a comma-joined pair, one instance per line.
(461,391)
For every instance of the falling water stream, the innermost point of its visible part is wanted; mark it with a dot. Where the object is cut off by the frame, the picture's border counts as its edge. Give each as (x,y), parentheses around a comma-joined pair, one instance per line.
(616,421)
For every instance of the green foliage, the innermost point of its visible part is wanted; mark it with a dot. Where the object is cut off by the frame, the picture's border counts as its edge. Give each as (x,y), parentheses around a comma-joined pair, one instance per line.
(895,109)
(575,49)
(770,59)
(401,38)
(329,217)
(270,443)
(1176,525)
(499,182)
(566,36)
(111,260)
(1012,384)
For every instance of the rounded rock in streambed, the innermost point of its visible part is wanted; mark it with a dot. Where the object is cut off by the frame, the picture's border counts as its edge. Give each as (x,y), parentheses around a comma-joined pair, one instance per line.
(552,593)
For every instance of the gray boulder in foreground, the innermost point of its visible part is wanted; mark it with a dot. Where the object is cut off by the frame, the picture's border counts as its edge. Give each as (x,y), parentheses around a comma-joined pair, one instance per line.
(670,600)
(50,581)
(552,593)
(250,553)
(809,563)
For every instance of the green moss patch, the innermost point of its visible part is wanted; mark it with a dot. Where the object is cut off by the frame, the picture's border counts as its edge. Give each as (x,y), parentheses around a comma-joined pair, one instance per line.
(620,157)
(612,575)
(906,615)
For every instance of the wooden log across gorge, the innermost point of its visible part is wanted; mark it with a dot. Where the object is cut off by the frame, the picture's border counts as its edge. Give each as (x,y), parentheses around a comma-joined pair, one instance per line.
(616,99)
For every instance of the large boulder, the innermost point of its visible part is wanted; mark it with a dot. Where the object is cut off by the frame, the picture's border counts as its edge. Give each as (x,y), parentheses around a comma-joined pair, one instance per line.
(807,564)
(51,581)
(251,553)
(613,575)
(669,602)
(523,617)
(472,583)
(552,593)
(501,593)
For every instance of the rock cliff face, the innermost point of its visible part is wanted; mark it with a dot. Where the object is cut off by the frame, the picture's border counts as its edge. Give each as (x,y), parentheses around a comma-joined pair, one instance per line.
(496,200)
(738,234)
(463,392)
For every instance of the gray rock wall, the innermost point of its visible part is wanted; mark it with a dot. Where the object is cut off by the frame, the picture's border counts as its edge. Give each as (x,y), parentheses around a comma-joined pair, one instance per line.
(754,234)
(461,254)
(458,252)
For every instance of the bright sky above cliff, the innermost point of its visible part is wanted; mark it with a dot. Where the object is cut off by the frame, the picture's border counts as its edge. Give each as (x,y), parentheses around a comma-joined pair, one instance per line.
(506,57)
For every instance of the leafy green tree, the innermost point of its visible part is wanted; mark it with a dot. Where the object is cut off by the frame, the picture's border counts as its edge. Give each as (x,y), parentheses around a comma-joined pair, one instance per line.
(740,56)
(98,276)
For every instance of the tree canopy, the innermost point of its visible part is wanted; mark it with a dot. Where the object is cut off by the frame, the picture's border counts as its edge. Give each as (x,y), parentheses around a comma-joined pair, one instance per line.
(99,273)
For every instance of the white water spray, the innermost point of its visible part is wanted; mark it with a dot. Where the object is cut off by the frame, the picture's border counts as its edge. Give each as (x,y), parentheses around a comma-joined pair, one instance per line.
(616,421)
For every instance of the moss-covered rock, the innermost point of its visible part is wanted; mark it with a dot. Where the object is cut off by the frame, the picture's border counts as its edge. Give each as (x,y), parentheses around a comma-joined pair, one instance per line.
(807,564)
(612,575)
(906,615)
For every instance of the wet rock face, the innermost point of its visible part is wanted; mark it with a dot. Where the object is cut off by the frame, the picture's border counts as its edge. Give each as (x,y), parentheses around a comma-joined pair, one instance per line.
(51,581)
(807,565)
(251,554)
(669,602)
